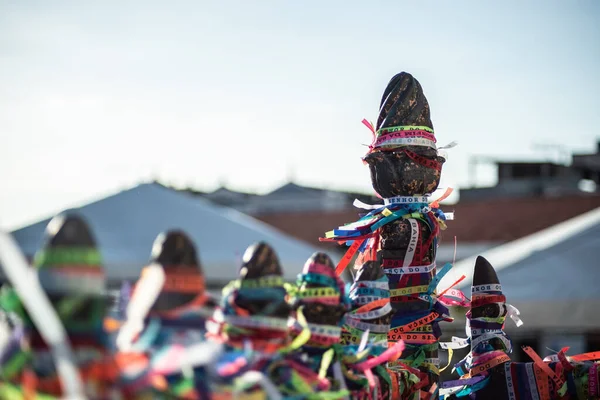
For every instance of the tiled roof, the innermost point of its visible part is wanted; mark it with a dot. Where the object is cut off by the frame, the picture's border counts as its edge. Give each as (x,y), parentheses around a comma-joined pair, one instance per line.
(499,220)
(503,220)
(310,225)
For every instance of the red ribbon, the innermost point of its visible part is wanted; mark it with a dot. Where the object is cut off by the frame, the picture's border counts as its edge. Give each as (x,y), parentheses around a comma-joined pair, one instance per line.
(348,256)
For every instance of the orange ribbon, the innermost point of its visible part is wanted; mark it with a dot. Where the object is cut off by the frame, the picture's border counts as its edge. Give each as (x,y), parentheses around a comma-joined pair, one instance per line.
(372,305)
(436,203)
(348,256)
(558,380)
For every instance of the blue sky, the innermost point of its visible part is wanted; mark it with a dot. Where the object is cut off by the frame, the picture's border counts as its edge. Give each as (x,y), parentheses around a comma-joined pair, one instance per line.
(97,97)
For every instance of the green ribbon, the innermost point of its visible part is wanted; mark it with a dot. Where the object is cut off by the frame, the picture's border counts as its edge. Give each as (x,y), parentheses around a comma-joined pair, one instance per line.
(183,386)
(498,320)
(340,394)
(581,385)
(15,365)
(317,292)
(10,302)
(415,360)
(427,347)
(404,128)
(290,288)
(394,216)
(383,374)
(13,392)
(299,384)
(264,282)
(68,306)
(88,256)
(358,333)
(563,390)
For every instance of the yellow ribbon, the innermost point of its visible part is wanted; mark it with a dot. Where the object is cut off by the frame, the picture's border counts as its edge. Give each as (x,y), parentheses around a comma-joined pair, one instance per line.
(304,335)
(450,352)
(326,362)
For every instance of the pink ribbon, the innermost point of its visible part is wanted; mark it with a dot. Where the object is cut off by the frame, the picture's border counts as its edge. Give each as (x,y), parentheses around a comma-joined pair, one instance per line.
(394,351)
(415,134)
(486,357)
(233,368)
(170,361)
(372,129)
(448,302)
(321,269)
(461,299)
(370,126)
(370,378)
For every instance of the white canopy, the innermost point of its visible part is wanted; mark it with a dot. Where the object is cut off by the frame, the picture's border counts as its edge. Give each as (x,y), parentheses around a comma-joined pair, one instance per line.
(126,224)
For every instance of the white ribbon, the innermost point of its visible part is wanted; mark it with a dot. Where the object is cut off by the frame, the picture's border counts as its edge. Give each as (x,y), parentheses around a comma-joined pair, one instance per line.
(435,361)
(204,353)
(450,145)
(323,330)
(370,284)
(406,142)
(27,285)
(510,387)
(492,287)
(450,391)
(554,358)
(420,269)
(456,343)
(489,336)
(259,322)
(258,378)
(412,245)
(144,296)
(514,313)
(407,200)
(532,383)
(355,323)
(364,206)
(339,376)
(363,341)
(477,332)
(468,327)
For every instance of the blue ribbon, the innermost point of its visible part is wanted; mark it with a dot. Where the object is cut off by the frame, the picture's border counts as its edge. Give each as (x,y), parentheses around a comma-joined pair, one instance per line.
(397,210)
(317,279)
(262,293)
(366,291)
(149,335)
